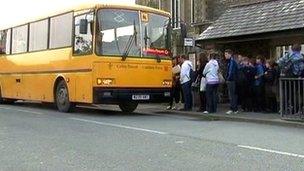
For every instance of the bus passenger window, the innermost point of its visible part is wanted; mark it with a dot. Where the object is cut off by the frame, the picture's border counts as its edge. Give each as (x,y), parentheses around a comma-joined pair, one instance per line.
(38,35)
(5,41)
(83,42)
(20,38)
(61,31)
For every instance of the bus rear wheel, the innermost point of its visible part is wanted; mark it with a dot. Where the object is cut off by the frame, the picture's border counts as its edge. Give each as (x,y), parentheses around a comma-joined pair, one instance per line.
(128,107)
(62,98)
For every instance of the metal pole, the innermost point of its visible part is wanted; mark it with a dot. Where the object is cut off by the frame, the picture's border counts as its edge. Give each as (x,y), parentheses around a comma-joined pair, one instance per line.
(281,96)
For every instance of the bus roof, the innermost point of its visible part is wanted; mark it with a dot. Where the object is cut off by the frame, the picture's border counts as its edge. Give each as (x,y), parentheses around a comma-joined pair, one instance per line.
(84,6)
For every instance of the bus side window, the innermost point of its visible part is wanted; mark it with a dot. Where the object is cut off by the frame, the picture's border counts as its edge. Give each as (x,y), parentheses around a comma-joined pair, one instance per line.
(5,41)
(83,42)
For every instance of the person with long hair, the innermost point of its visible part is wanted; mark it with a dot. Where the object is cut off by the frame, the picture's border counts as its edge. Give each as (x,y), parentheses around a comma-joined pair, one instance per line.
(211,72)
(176,87)
(203,60)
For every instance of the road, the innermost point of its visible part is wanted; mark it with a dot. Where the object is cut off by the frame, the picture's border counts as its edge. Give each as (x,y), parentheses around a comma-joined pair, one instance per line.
(36,137)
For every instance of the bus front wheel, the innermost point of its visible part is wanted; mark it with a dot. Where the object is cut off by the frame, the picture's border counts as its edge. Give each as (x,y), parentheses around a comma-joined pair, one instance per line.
(128,107)
(62,98)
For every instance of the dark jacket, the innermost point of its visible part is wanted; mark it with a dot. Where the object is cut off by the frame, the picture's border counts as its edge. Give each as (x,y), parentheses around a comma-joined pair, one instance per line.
(232,70)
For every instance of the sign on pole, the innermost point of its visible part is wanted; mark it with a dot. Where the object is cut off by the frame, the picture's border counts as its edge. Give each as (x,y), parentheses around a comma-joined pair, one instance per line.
(188,42)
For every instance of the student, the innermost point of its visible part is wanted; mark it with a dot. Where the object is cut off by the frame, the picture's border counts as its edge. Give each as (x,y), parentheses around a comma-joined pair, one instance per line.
(271,87)
(211,72)
(259,85)
(185,80)
(231,77)
(203,60)
(176,87)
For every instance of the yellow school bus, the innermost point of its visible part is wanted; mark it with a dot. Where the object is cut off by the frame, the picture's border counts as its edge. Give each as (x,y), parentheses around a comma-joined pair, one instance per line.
(89,54)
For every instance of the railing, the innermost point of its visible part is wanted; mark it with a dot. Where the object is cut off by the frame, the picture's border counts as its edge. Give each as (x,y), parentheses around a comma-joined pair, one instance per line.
(292,98)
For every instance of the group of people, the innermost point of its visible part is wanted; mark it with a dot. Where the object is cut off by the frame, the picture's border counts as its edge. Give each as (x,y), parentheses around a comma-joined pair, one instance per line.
(252,84)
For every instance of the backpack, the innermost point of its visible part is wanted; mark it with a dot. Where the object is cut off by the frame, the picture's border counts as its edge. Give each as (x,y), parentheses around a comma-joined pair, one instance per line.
(294,68)
(192,75)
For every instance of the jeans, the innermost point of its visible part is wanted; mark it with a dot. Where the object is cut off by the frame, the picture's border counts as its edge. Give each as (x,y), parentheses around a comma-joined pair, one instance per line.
(233,97)
(211,96)
(186,87)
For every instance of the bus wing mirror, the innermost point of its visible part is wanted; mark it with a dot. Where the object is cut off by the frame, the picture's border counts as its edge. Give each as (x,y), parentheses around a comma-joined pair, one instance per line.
(83,26)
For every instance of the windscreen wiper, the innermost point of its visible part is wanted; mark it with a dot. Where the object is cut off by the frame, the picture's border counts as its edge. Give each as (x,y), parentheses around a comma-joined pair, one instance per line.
(129,44)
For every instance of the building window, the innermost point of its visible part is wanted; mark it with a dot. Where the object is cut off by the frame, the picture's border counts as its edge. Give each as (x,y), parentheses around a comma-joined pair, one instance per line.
(38,35)
(192,11)
(83,42)
(20,38)
(5,41)
(61,31)
(175,12)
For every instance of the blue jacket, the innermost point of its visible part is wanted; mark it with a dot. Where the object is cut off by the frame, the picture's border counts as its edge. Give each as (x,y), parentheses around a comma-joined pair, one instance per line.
(259,72)
(232,70)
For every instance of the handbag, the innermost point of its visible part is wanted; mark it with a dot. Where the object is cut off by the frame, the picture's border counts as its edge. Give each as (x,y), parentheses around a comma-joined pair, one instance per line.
(221,78)
(195,85)
(203,84)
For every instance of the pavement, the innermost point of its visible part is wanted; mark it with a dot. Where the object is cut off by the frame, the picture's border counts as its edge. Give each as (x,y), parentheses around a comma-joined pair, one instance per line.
(262,118)
(37,137)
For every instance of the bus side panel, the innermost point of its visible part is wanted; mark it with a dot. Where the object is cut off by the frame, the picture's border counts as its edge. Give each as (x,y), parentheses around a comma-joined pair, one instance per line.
(37,87)
(9,86)
(84,91)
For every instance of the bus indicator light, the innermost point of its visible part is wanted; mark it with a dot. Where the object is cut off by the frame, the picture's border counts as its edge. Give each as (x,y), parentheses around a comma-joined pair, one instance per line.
(167,83)
(105,81)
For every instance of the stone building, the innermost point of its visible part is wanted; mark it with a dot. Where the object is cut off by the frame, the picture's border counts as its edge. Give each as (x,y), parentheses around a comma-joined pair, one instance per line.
(266,28)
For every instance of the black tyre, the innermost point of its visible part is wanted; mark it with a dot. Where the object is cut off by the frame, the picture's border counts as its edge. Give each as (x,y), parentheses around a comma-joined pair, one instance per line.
(62,100)
(128,107)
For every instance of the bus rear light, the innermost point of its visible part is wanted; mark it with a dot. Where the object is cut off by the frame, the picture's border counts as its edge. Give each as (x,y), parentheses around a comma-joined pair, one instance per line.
(105,81)
(167,83)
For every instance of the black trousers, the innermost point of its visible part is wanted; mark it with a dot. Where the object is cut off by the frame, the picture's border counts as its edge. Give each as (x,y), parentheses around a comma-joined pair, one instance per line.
(259,98)
(175,95)
(212,98)
(203,101)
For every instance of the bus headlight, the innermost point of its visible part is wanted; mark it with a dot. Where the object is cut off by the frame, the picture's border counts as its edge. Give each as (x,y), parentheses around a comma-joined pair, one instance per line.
(167,83)
(105,81)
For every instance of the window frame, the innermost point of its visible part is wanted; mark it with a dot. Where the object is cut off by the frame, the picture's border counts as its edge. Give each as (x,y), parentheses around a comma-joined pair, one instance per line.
(192,18)
(93,33)
(176,14)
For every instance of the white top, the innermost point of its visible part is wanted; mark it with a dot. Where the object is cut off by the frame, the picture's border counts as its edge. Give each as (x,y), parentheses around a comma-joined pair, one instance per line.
(211,72)
(185,71)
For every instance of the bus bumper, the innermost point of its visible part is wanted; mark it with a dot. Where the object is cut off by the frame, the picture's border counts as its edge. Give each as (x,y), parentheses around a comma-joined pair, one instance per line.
(115,96)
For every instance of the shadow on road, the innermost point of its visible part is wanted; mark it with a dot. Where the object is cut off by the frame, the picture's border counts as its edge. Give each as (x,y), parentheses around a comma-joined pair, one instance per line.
(85,110)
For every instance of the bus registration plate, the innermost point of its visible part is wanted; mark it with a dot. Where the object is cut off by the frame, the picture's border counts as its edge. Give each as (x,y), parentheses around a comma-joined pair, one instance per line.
(140,97)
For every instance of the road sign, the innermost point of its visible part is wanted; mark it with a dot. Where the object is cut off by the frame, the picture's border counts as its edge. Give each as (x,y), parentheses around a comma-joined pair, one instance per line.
(188,42)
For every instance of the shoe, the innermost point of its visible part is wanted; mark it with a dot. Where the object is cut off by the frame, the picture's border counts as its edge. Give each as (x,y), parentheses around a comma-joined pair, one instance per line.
(229,112)
(173,108)
(169,108)
(205,112)
(235,112)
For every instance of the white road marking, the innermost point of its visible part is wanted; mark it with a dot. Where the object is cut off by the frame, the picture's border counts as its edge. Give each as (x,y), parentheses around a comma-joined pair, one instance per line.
(21,110)
(120,126)
(271,151)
